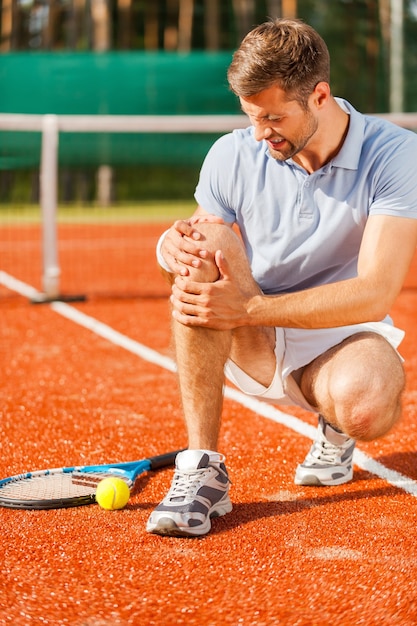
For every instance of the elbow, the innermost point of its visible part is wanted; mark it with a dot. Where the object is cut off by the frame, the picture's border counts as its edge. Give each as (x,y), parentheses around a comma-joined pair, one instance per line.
(377,317)
(378,309)
(378,299)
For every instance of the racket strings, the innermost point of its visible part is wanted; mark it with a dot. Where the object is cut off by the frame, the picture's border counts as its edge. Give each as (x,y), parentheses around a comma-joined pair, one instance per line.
(92,479)
(56,486)
(47,487)
(72,486)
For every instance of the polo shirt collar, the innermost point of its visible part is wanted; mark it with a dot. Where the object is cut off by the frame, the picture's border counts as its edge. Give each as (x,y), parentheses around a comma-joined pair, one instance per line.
(349,155)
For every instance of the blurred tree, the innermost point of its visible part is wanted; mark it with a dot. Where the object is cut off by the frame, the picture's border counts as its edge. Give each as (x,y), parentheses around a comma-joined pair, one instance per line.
(273,8)
(358,33)
(244,14)
(151,23)
(6,26)
(212,24)
(100,17)
(75,34)
(171,25)
(289,8)
(185,25)
(124,18)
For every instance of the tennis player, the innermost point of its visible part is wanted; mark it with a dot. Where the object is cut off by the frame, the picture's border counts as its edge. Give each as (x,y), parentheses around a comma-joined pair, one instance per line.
(293,303)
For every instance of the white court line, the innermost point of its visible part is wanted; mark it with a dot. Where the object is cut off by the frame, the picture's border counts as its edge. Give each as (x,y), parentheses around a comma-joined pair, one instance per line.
(268,411)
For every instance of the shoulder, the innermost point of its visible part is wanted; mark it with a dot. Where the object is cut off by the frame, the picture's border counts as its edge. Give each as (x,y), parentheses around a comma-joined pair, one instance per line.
(234,158)
(376,130)
(390,150)
(380,131)
(383,147)
(238,142)
(383,137)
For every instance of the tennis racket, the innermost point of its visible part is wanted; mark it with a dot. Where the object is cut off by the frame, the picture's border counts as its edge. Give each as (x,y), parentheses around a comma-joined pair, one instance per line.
(72,486)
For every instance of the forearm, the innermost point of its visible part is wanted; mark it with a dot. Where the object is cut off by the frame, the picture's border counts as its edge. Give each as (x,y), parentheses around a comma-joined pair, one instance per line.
(338,304)
(234,300)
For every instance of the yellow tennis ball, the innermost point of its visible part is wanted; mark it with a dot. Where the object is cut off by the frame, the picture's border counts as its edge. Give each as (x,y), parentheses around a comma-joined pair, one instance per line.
(112,493)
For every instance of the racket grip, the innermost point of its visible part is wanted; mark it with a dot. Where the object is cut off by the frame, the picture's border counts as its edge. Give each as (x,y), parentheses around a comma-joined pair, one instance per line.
(163,460)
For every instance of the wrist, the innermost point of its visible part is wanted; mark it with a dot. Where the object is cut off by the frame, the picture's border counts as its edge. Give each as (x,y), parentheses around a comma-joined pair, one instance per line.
(255,310)
(159,256)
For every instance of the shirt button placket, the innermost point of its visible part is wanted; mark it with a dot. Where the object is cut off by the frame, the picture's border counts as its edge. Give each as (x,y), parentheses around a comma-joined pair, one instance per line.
(306,204)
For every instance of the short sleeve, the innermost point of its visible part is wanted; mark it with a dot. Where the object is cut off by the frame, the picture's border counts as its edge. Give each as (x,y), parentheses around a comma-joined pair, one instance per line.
(215,186)
(396,186)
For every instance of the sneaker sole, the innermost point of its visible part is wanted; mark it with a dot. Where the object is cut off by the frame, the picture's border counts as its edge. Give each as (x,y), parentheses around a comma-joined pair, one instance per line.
(312,480)
(167,527)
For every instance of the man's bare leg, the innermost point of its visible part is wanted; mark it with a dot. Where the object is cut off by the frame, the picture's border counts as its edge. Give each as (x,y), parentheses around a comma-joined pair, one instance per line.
(357,385)
(202,353)
(199,490)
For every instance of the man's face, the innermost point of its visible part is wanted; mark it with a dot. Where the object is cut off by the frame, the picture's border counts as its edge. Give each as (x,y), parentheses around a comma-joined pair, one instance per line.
(286,127)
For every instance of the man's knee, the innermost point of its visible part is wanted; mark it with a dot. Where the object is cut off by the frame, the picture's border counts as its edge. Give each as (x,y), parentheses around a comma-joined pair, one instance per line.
(366,411)
(358,386)
(368,402)
(218,237)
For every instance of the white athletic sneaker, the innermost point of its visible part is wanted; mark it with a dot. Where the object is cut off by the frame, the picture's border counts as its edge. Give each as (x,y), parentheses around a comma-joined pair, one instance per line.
(199,492)
(329,461)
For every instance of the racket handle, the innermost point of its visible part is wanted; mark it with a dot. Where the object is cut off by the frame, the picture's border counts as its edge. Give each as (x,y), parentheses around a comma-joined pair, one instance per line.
(163,460)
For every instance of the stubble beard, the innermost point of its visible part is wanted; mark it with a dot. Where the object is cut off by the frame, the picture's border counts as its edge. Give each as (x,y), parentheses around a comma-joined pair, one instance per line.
(294,148)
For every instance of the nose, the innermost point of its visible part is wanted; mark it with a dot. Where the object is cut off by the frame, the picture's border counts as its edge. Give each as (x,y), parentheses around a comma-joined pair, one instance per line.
(262,131)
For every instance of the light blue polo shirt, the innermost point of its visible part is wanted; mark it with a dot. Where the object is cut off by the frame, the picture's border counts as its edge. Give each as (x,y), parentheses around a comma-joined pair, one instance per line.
(301,230)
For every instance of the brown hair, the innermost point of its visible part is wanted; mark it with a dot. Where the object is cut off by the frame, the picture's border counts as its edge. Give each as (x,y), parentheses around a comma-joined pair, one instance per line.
(282,52)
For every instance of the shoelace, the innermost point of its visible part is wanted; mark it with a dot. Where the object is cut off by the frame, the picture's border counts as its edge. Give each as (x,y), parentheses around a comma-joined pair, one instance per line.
(186,483)
(324,452)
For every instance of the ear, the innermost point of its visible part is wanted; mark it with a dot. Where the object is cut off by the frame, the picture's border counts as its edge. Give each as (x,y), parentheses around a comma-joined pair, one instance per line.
(321,94)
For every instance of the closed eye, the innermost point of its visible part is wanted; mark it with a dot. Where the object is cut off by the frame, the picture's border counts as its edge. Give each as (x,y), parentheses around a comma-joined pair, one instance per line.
(264,118)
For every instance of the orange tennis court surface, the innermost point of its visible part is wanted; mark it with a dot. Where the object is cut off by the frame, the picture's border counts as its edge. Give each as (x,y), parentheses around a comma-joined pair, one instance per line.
(286,555)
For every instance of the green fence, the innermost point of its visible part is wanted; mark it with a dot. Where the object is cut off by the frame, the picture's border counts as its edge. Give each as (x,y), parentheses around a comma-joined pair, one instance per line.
(132,83)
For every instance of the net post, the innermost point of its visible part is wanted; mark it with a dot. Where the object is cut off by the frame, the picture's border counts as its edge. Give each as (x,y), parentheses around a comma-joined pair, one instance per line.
(51,271)
(49,198)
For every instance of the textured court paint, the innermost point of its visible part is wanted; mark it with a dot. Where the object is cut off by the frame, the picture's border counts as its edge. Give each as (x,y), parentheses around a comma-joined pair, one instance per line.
(285,555)
(361,459)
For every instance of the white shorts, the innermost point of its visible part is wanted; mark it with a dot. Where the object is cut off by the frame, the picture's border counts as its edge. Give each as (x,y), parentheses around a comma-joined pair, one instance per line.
(296,347)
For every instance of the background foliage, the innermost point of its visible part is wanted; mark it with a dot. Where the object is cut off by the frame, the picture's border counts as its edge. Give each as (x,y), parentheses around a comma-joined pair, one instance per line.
(357,33)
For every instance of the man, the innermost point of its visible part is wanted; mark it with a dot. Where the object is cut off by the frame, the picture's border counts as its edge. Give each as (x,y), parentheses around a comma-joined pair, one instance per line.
(294,308)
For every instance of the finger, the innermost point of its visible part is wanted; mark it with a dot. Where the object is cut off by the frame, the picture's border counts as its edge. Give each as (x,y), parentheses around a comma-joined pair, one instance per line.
(189,317)
(179,250)
(185,320)
(176,267)
(201,219)
(180,262)
(187,286)
(188,302)
(185,228)
(222,264)
(187,306)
